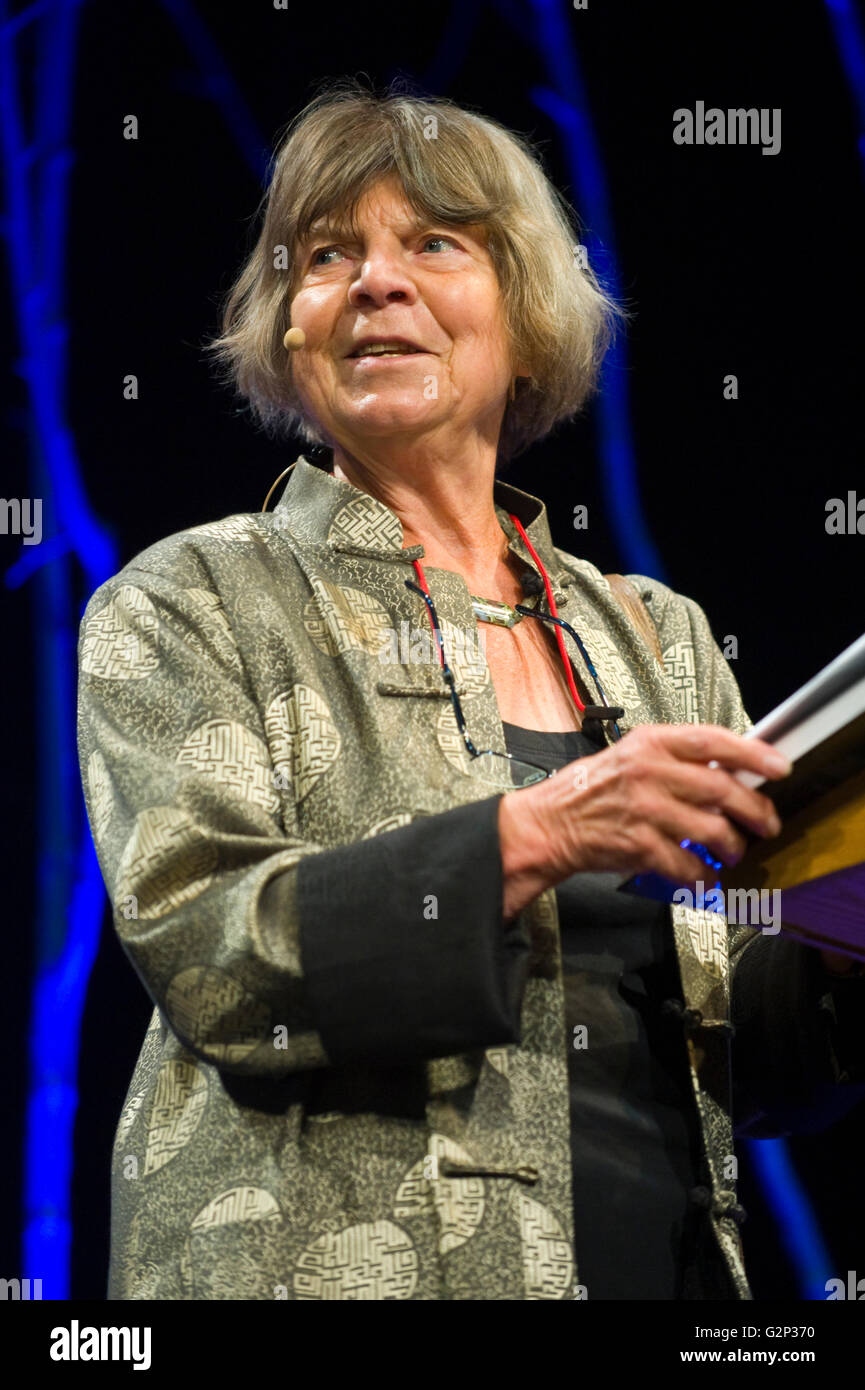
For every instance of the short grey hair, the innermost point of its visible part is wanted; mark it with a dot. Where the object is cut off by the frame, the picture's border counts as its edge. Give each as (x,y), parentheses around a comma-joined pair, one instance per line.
(455,167)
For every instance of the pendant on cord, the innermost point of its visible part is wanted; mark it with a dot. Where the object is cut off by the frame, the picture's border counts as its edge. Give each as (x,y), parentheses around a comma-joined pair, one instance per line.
(491,610)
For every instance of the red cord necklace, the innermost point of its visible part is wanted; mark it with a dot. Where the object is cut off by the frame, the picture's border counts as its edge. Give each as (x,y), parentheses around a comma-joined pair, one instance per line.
(550,600)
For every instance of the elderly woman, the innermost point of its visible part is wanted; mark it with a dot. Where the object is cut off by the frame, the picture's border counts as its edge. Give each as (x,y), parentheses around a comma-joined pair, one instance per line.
(409,1041)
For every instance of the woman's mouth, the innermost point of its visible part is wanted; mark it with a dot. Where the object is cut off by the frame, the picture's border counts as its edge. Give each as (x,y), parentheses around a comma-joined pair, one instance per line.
(385,348)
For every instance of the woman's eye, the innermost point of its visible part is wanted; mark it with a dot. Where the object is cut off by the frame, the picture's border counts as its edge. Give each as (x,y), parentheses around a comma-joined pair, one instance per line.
(439,238)
(324,251)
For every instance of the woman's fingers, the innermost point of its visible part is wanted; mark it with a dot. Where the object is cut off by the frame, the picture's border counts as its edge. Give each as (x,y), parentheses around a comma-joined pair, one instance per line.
(683,822)
(716,790)
(710,743)
(671,756)
(664,855)
(639,799)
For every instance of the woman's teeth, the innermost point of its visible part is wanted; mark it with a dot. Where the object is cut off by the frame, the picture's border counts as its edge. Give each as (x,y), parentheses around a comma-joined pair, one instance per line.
(383,350)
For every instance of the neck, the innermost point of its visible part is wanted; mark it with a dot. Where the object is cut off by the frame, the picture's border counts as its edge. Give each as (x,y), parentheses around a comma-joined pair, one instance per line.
(444,504)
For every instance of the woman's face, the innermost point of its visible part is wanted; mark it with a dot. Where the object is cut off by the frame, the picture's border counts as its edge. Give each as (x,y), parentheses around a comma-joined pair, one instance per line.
(432,287)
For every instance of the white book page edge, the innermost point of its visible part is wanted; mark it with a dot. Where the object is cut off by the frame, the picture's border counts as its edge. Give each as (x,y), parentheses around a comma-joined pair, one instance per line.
(820,725)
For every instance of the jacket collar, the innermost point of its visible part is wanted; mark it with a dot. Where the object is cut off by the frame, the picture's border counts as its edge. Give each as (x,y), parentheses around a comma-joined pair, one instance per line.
(328,511)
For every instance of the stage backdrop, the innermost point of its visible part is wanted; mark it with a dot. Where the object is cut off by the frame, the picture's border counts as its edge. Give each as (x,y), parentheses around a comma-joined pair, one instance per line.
(731,415)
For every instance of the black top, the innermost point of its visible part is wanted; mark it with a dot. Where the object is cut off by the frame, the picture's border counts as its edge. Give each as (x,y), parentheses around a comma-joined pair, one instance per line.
(384,999)
(634,1130)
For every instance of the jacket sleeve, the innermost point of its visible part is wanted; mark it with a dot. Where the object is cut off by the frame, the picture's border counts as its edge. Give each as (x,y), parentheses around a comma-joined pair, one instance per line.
(798,1050)
(266,953)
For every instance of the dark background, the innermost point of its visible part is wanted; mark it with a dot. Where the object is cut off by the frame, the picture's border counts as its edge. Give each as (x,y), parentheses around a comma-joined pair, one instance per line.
(732,262)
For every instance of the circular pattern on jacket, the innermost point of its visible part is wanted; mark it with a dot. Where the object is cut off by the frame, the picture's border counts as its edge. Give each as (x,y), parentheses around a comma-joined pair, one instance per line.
(341,619)
(366,524)
(304,741)
(234,757)
(127,1119)
(548,1262)
(212,616)
(244,1203)
(453,746)
(99,786)
(451,741)
(681,671)
(167,861)
(458,1202)
(614,672)
(709,938)
(374,1260)
(465,655)
(179,1100)
(120,641)
(216,1014)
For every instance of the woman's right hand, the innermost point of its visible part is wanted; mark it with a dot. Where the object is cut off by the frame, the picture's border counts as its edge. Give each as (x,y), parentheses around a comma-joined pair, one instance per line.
(626,809)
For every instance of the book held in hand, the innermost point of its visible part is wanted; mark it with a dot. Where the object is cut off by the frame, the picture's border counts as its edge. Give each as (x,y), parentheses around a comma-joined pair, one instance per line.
(815,869)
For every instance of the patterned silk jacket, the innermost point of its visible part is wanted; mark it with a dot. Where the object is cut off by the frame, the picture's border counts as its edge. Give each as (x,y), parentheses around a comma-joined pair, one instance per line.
(344,1092)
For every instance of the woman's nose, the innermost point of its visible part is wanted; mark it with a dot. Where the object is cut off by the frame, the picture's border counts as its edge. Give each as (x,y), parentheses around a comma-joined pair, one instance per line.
(381,278)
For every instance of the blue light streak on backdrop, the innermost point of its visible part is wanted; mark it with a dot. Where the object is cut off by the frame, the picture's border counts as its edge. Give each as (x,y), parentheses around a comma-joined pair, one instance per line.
(69,897)
(850,38)
(771,1161)
(566,103)
(70,893)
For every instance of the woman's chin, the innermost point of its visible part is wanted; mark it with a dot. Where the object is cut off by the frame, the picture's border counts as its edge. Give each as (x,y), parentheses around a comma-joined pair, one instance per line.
(378,419)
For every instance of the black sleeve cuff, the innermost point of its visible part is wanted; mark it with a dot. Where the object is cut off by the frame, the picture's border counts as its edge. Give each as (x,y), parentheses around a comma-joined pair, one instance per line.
(404,951)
